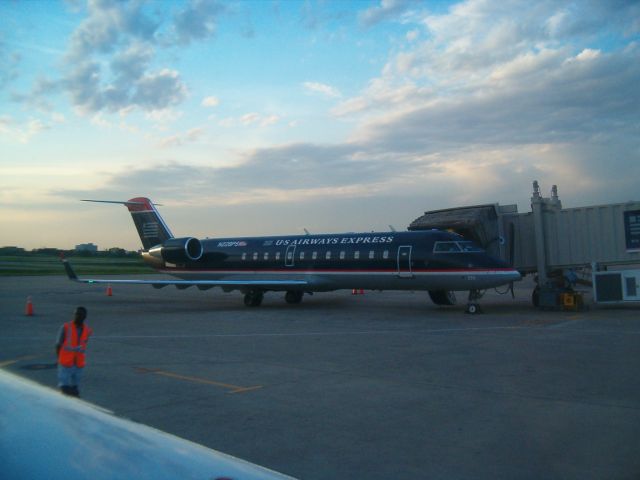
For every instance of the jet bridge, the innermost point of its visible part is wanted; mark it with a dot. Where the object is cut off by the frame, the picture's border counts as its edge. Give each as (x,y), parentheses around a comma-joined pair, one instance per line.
(562,246)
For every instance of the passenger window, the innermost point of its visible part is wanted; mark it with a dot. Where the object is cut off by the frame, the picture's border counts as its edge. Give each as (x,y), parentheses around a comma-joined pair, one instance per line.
(342,255)
(244,256)
(301,255)
(277,255)
(314,255)
(371,254)
(328,255)
(356,254)
(266,255)
(385,254)
(255,255)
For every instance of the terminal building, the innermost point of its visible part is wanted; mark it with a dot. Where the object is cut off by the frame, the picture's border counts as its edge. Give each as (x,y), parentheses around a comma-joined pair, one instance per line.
(597,245)
(86,247)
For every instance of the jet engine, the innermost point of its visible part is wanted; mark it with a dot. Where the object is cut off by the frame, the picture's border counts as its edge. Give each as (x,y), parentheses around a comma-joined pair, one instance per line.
(178,250)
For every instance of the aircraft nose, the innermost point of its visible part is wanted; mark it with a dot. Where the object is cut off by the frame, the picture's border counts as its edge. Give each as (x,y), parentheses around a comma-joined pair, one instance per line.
(514,275)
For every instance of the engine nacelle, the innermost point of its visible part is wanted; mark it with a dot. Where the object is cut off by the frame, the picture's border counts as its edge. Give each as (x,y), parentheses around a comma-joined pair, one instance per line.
(178,250)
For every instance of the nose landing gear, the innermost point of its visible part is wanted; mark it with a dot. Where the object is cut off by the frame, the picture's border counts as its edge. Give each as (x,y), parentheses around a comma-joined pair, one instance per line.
(473,307)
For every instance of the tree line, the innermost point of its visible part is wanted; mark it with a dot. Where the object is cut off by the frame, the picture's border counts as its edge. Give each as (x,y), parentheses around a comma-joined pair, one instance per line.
(48,251)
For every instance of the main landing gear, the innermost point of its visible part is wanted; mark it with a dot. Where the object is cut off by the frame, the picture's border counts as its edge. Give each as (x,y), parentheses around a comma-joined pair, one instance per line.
(253,298)
(293,296)
(442,297)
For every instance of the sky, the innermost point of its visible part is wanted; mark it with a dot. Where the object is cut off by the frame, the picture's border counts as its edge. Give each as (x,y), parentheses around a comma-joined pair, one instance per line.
(268,117)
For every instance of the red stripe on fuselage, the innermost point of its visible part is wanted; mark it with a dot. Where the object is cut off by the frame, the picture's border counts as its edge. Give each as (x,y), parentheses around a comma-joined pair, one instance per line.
(310,271)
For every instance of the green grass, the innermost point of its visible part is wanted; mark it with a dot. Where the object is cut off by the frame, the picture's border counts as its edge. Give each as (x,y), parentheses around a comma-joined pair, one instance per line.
(50,265)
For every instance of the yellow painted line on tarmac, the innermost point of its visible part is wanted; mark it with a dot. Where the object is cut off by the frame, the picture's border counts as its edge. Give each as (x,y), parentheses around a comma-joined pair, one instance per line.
(6,363)
(232,388)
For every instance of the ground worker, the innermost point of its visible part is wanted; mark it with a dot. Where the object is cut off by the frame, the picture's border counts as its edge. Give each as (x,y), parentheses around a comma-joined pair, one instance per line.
(70,348)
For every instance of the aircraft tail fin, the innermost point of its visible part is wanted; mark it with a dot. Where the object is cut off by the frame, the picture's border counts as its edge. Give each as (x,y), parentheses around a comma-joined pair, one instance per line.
(150,225)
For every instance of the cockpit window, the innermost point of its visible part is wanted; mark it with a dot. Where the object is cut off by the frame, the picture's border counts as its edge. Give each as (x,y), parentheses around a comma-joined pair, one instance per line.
(455,247)
(470,247)
(446,247)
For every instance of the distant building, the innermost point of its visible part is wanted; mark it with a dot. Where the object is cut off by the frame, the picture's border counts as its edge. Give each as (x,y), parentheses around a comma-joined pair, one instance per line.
(87,247)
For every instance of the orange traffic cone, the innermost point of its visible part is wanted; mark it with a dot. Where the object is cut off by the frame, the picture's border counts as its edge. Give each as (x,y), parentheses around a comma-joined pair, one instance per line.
(109,290)
(28,311)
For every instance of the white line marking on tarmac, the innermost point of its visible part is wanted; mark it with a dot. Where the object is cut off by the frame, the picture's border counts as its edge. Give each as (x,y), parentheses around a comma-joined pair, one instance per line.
(311,334)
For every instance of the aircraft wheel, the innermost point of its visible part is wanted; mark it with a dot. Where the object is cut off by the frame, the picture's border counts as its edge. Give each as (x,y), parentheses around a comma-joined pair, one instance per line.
(293,296)
(442,297)
(473,308)
(253,298)
(535,297)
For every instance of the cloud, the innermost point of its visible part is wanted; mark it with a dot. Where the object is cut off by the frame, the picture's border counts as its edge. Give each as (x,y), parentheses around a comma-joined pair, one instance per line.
(111,57)
(191,136)
(268,173)
(269,120)
(387,9)
(250,119)
(109,62)
(471,105)
(322,88)
(197,21)
(9,63)
(164,117)
(586,99)
(109,24)
(210,102)
(21,132)
(159,90)
(486,76)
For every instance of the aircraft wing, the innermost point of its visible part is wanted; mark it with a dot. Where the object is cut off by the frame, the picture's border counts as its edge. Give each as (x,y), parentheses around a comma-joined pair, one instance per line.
(93,443)
(203,284)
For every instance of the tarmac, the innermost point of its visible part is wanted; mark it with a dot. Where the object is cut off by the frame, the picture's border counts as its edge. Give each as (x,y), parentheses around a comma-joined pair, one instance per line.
(377,386)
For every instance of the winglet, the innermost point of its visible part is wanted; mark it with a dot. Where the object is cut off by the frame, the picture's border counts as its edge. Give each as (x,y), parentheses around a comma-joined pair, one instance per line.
(70,273)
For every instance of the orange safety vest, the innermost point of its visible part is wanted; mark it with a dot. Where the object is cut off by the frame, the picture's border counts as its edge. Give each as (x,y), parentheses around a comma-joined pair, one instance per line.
(72,351)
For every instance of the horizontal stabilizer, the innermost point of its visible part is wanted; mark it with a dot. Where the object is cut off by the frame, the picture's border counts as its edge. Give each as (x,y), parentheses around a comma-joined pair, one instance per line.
(120,202)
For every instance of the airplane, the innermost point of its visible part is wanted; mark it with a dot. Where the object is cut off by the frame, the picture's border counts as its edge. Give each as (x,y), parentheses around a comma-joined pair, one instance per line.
(49,435)
(437,261)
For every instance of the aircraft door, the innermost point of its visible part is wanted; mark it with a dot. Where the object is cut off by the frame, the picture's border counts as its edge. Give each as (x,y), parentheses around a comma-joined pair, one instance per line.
(404,261)
(289,256)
